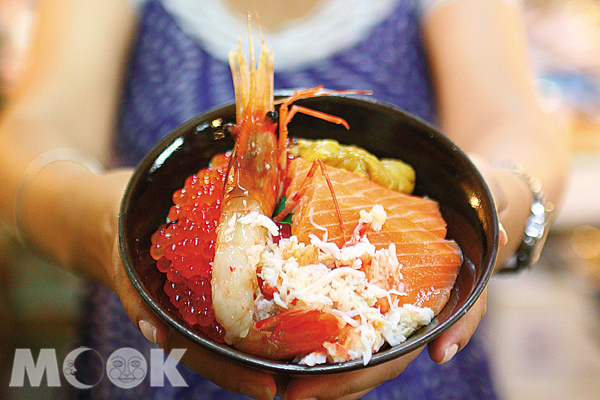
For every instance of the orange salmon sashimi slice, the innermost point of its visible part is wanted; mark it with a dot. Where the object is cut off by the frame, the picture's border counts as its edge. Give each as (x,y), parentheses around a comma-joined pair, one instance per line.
(429,263)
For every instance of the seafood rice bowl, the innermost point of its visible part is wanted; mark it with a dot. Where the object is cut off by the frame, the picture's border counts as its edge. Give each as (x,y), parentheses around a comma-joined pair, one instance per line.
(326,270)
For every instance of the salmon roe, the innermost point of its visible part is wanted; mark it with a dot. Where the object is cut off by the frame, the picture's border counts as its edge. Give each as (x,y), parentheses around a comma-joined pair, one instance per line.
(184,248)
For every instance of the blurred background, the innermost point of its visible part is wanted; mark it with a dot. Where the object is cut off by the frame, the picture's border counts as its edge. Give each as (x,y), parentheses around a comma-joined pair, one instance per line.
(543,325)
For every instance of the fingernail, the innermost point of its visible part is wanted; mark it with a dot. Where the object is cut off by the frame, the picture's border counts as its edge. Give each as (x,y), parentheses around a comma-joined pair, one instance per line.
(503,235)
(256,391)
(148,330)
(450,353)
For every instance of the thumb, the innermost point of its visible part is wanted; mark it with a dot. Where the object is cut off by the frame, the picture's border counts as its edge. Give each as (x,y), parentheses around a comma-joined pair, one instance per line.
(443,348)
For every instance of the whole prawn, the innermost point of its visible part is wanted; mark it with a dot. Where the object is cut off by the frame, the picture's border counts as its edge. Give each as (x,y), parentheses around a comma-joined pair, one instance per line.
(251,192)
(250,187)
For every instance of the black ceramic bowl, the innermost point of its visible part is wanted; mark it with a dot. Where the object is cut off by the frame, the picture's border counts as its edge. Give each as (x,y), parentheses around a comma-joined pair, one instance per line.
(443,171)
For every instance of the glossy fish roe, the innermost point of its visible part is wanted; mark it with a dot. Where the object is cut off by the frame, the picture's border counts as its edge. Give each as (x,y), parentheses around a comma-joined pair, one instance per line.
(184,247)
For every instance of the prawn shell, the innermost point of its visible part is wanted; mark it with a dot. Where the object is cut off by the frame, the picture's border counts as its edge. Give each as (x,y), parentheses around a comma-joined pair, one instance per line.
(443,171)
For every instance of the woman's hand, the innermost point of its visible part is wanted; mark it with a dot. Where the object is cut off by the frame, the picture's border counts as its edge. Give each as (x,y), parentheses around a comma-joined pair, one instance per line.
(504,188)
(512,199)
(443,348)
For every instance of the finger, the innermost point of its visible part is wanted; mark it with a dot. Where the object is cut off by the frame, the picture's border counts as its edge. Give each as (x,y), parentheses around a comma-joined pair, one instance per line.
(349,385)
(222,371)
(503,236)
(151,326)
(356,395)
(444,348)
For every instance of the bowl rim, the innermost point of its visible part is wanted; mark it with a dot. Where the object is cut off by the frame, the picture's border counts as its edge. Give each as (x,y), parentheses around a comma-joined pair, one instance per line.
(288,367)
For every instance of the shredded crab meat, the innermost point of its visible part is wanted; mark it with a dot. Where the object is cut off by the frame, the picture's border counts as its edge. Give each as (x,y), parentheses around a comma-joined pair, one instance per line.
(373,219)
(255,218)
(323,276)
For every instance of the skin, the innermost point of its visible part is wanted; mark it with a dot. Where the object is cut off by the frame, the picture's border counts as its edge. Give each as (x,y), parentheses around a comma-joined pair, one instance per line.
(273,14)
(68,97)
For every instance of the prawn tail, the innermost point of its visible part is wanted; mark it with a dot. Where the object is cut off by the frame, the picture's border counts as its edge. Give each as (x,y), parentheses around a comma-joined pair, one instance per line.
(293,333)
(253,85)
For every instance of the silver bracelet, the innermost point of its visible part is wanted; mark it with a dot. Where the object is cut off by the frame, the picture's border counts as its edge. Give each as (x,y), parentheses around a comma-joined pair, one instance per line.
(537,225)
(36,166)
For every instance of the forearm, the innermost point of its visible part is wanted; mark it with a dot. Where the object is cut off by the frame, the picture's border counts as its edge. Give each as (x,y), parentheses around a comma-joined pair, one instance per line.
(69,215)
(489,106)
(67,99)
(61,209)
